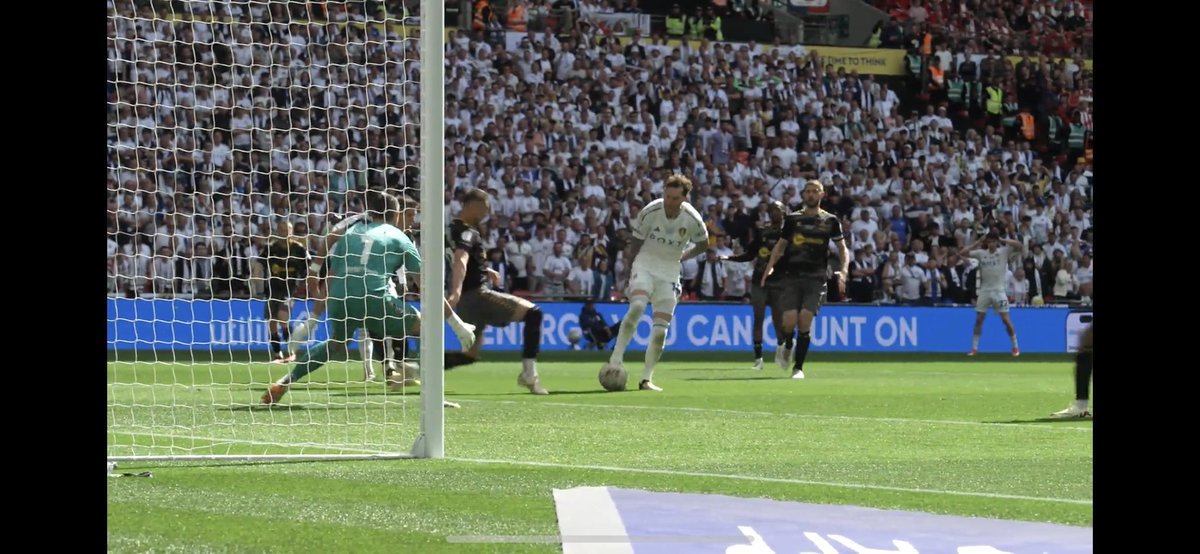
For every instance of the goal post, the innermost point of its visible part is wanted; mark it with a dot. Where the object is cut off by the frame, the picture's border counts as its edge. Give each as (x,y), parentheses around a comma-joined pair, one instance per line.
(225,121)
(430,443)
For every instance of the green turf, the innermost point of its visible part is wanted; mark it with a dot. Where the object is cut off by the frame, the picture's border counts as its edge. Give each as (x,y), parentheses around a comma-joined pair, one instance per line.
(947,437)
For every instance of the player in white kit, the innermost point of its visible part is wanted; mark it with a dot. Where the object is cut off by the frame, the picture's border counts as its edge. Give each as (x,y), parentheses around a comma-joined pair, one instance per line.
(993,268)
(665,232)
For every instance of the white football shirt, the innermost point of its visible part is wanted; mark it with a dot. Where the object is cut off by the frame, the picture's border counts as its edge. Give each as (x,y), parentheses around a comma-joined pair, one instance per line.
(666,239)
(993,268)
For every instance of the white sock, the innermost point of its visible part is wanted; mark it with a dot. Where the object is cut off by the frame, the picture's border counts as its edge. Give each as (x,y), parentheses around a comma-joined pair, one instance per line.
(975,342)
(1082,404)
(367,349)
(628,327)
(457,324)
(529,367)
(1014,340)
(300,335)
(658,336)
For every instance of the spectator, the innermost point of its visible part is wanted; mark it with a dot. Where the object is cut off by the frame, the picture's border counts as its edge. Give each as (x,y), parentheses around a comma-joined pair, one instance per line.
(209,160)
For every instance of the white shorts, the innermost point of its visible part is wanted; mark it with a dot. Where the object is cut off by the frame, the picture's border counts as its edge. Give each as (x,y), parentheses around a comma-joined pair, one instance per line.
(994,299)
(664,294)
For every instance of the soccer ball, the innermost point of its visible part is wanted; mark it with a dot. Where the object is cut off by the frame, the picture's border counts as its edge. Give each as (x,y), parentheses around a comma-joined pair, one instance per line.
(574,336)
(613,378)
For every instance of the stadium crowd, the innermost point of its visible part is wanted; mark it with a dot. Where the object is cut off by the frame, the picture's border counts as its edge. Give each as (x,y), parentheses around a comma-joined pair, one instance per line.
(217,129)
(1051,27)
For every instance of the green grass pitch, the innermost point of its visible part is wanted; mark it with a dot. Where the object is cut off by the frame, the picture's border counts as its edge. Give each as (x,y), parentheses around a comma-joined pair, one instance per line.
(935,434)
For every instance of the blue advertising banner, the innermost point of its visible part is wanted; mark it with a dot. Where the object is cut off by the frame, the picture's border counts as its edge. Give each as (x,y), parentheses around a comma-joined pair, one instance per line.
(240,325)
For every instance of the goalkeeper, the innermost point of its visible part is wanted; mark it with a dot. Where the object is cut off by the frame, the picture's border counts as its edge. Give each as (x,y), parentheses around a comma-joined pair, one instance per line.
(361,294)
(316,290)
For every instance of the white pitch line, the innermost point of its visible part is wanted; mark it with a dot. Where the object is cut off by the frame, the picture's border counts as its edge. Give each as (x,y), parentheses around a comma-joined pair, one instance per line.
(783,414)
(671,472)
(235,441)
(775,480)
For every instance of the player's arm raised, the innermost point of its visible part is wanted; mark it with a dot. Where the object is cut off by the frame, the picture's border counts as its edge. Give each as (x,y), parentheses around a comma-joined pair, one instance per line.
(965,252)
(1016,245)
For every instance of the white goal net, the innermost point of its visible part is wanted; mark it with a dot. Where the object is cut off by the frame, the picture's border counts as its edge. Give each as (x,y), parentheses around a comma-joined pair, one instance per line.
(239,132)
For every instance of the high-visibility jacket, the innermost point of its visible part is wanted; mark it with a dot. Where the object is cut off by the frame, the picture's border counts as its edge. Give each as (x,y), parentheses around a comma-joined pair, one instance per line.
(995,100)
(937,77)
(1076,138)
(516,18)
(955,88)
(675,26)
(1028,130)
(477,19)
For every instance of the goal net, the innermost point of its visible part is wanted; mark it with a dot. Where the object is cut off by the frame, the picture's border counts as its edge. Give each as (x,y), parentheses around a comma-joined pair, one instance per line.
(239,133)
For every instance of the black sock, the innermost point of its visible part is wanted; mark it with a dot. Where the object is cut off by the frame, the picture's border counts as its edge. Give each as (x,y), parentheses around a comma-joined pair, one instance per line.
(1083,374)
(802,350)
(400,349)
(275,345)
(286,334)
(533,333)
(758,349)
(377,349)
(455,359)
(788,341)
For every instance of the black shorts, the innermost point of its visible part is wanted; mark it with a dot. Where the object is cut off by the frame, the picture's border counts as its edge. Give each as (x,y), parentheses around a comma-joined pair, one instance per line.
(483,306)
(274,305)
(803,293)
(770,296)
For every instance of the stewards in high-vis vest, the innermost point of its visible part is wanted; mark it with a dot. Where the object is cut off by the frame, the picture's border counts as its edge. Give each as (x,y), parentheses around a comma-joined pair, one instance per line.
(517,17)
(994,103)
(1026,123)
(675,22)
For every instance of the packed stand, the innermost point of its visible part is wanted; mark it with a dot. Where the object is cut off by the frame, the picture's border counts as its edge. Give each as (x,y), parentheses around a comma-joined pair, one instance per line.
(1057,28)
(572,135)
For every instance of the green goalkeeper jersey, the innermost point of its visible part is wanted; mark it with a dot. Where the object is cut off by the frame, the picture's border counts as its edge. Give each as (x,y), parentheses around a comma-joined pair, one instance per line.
(364,260)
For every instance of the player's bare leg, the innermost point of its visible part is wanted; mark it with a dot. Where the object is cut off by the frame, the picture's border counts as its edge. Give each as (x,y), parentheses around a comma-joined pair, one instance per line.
(804,323)
(979,317)
(1012,333)
(658,337)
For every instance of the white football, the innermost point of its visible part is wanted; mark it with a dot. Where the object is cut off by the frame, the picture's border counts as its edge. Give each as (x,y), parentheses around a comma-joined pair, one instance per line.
(613,378)
(574,335)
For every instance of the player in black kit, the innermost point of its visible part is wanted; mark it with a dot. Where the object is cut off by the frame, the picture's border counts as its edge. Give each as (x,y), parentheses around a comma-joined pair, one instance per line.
(804,249)
(470,292)
(761,296)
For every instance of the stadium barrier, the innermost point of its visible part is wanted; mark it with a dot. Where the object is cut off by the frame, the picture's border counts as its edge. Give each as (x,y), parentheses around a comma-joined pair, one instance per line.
(238,325)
